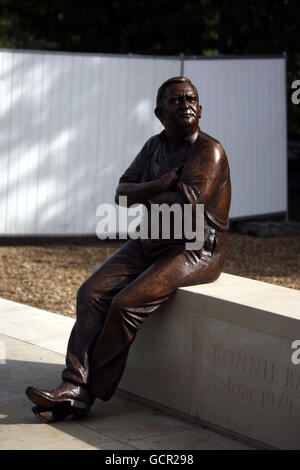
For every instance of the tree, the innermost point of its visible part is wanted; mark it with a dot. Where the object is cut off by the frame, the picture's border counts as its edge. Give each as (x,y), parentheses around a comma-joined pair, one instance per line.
(162,27)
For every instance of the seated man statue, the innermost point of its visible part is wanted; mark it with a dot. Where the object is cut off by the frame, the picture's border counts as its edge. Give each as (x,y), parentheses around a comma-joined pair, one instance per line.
(180,165)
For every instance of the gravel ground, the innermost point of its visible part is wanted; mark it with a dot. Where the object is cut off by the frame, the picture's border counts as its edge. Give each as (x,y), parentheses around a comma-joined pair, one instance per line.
(46,273)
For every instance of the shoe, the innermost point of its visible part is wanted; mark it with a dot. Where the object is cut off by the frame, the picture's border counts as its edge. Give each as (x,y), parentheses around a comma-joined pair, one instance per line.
(67,393)
(57,413)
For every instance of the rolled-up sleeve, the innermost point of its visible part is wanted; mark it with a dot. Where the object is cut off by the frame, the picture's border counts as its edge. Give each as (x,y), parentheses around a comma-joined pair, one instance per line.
(202,174)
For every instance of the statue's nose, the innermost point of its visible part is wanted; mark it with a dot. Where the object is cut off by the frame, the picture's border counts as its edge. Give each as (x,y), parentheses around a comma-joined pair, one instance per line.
(183,102)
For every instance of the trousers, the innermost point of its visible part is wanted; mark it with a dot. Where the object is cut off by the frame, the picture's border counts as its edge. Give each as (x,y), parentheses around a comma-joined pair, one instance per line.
(114,302)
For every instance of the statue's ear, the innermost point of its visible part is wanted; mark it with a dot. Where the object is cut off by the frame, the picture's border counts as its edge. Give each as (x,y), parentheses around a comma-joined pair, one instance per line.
(200,110)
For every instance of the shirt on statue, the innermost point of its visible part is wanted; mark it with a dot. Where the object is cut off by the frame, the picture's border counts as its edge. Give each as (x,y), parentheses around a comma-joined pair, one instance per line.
(204,176)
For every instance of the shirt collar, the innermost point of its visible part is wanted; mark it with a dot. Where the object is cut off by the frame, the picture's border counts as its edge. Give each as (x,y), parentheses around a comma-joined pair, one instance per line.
(189,138)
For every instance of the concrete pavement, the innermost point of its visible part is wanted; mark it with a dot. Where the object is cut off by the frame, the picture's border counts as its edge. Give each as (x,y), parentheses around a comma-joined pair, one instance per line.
(32,349)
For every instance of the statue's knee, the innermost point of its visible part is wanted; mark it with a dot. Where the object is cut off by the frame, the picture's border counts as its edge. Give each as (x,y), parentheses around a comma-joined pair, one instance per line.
(120,306)
(85,292)
(117,304)
(123,311)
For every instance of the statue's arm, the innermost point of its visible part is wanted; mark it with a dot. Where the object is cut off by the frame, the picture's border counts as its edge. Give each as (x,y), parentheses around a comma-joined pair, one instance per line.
(199,179)
(139,193)
(170,193)
(169,197)
(131,184)
(203,175)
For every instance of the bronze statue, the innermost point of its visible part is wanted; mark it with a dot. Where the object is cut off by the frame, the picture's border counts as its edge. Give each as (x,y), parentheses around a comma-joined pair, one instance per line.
(180,165)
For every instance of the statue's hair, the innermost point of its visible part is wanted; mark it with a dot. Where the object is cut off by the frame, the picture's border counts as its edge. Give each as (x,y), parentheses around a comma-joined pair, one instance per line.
(162,88)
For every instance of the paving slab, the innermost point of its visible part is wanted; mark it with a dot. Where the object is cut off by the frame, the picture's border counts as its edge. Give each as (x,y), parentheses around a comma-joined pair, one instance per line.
(30,356)
(46,329)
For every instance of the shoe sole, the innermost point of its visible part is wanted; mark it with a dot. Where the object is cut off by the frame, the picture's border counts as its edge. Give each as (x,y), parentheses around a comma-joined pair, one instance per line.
(52,415)
(43,401)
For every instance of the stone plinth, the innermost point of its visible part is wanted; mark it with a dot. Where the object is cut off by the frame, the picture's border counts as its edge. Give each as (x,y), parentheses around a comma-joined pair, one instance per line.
(222,353)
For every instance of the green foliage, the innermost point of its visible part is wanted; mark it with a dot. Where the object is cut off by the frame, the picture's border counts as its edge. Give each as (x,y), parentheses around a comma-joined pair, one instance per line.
(161,27)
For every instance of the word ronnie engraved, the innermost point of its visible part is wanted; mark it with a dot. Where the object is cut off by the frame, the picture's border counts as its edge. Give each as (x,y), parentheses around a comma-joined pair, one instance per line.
(255,380)
(181,165)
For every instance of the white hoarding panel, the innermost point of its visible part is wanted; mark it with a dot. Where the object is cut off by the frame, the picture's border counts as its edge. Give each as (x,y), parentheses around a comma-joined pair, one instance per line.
(71,124)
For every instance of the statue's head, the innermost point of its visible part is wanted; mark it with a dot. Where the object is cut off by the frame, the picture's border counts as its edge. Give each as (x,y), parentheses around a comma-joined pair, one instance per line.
(177,105)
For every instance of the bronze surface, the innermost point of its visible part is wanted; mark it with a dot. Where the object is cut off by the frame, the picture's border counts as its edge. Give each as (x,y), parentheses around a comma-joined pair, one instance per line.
(181,164)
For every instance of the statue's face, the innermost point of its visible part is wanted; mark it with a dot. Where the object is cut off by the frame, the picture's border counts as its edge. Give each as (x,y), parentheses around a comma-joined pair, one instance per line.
(181,107)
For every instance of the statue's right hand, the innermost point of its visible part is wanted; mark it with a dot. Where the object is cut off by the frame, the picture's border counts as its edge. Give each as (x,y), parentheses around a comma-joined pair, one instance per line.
(170,178)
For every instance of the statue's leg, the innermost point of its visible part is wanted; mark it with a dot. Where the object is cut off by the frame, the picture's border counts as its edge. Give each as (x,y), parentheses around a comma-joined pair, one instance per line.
(135,303)
(93,302)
